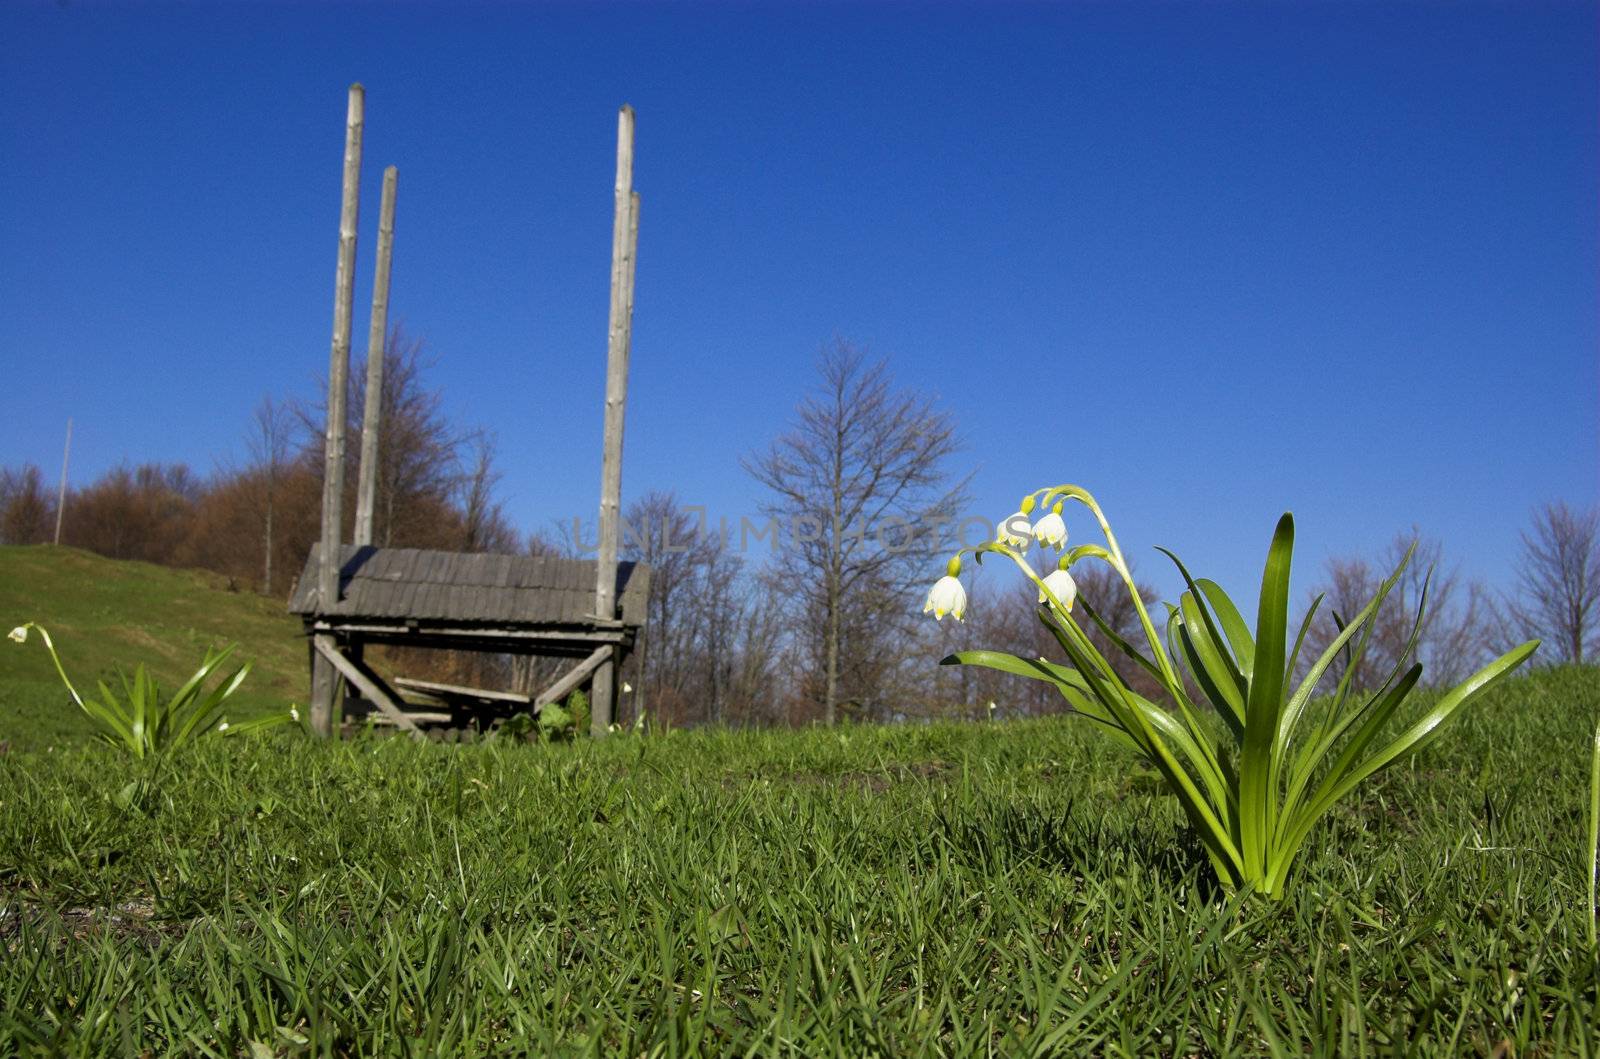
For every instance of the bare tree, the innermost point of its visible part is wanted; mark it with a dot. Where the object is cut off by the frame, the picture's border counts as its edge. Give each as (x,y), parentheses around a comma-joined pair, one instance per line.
(26,509)
(1454,633)
(855,481)
(1557,592)
(141,513)
(420,453)
(485,527)
(661,532)
(270,442)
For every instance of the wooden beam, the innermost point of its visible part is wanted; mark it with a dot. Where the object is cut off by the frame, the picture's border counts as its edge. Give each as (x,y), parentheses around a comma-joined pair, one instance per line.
(458,691)
(603,701)
(377,337)
(416,717)
(406,629)
(370,685)
(574,677)
(338,369)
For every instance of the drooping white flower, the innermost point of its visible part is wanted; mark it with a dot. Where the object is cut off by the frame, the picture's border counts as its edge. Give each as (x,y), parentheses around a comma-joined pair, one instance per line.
(947,596)
(294,713)
(223,727)
(1062,586)
(20,634)
(1013,531)
(1051,530)
(626,687)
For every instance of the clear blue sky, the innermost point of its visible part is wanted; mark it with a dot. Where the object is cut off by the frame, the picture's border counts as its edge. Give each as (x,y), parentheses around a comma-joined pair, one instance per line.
(1212,261)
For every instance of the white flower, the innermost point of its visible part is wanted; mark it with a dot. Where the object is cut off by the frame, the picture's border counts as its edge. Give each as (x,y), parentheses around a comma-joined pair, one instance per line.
(1051,530)
(223,727)
(20,634)
(1062,586)
(1013,531)
(294,713)
(946,597)
(626,687)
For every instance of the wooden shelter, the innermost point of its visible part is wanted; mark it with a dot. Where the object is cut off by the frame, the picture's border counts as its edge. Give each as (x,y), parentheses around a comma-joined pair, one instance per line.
(352,595)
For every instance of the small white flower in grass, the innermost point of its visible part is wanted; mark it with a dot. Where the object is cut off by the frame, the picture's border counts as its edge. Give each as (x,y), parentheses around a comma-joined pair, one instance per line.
(223,727)
(1051,530)
(294,713)
(947,596)
(20,634)
(1062,586)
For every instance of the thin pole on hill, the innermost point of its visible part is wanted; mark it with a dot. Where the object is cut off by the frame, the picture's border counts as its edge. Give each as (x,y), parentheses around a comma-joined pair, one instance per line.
(372,411)
(324,681)
(602,702)
(61,496)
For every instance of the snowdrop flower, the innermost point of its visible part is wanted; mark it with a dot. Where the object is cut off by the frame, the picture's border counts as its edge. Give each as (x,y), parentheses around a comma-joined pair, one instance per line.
(1013,531)
(20,634)
(947,596)
(223,727)
(294,713)
(1051,530)
(626,687)
(1062,586)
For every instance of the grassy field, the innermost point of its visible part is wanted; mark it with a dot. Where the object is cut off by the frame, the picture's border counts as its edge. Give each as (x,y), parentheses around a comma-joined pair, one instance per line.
(104,614)
(939,890)
(1003,888)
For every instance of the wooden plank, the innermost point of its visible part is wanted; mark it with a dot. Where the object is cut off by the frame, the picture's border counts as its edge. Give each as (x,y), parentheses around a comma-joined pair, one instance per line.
(461,691)
(401,630)
(416,717)
(575,676)
(370,685)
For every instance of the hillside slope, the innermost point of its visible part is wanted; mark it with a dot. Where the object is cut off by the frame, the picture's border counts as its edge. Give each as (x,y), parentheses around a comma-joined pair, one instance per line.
(104,613)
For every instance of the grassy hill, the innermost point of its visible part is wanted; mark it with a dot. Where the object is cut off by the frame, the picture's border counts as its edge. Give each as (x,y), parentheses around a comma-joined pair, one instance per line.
(104,614)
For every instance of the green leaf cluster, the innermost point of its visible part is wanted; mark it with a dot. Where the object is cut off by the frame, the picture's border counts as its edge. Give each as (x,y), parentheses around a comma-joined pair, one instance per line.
(144,721)
(1255,784)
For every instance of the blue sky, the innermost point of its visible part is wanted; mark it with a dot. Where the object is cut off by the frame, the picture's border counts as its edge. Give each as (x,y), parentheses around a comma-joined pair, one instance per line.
(1212,261)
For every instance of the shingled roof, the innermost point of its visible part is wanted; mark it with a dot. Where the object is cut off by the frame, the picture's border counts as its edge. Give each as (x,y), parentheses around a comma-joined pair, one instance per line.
(456,586)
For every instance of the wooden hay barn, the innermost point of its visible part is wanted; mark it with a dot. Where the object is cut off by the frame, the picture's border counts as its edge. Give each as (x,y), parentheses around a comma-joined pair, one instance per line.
(352,595)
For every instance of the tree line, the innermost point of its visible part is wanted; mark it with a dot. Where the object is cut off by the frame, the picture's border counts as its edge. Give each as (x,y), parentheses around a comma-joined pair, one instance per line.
(865,494)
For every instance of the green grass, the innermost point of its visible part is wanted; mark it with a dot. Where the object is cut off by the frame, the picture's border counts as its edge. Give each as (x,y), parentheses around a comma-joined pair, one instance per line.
(935,890)
(104,613)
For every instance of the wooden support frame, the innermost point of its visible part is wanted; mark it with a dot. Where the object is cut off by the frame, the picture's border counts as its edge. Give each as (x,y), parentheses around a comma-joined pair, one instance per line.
(575,676)
(371,686)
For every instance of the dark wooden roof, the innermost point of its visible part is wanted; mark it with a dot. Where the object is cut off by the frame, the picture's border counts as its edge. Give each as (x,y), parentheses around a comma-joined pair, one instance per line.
(456,586)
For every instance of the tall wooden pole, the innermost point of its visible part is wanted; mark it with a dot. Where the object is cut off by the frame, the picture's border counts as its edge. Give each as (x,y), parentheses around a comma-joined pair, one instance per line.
(372,411)
(324,681)
(624,234)
(61,495)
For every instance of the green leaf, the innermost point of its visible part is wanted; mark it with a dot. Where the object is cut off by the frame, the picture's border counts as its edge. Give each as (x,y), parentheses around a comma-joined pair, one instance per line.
(1233,626)
(1257,800)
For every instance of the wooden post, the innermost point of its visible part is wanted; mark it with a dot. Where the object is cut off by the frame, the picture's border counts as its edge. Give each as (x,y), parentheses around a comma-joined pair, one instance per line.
(324,684)
(377,334)
(61,496)
(602,700)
